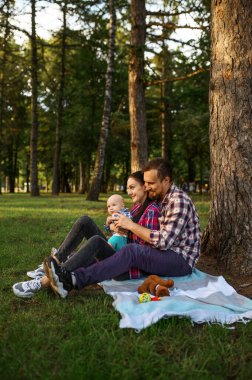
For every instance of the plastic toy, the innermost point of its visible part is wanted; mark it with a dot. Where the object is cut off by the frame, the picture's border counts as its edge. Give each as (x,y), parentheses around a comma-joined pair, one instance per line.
(145,297)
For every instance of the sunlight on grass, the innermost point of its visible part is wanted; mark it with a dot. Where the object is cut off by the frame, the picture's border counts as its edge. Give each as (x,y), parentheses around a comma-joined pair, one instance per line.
(79,337)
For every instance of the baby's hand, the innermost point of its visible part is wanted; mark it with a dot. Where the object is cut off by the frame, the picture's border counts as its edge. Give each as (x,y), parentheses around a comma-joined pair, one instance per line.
(109,220)
(115,216)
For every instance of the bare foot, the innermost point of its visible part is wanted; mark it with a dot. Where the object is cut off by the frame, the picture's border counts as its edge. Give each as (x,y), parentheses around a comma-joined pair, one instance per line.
(45,282)
(56,259)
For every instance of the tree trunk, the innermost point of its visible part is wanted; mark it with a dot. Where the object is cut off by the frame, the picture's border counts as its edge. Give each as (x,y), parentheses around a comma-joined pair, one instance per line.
(93,193)
(5,17)
(139,148)
(82,177)
(57,148)
(229,232)
(34,106)
(27,173)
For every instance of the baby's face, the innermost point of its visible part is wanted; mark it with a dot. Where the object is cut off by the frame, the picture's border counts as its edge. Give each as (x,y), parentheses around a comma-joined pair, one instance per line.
(114,204)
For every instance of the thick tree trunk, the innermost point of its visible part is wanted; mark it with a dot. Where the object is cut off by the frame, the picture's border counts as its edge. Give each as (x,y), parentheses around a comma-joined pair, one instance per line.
(139,145)
(93,193)
(229,232)
(58,133)
(34,106)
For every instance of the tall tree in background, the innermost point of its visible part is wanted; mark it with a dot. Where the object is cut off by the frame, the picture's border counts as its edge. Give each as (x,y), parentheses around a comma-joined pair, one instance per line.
(229,231)
(57,148)
(6,32)
(34,105)
(139,144)
(94,190)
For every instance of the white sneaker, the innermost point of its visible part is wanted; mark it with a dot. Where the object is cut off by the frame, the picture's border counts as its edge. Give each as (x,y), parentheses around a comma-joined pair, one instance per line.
(36,273)
(26,289)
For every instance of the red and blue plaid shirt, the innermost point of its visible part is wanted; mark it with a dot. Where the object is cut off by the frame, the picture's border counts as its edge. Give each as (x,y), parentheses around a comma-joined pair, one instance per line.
(150,220)
(179,226)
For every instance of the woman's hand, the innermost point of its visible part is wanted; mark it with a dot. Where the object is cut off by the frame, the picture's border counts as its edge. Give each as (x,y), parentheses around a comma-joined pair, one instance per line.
(122,221)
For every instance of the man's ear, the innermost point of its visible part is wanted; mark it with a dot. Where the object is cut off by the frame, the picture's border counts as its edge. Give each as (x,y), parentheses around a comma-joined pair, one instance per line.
(167,180)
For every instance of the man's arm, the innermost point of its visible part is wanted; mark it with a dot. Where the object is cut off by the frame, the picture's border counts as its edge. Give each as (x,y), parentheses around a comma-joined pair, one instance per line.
(126,223)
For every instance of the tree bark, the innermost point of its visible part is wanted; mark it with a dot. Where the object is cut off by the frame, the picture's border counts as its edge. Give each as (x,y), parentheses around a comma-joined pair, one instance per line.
(81,189)
(229,232)
(34,106)
(58,132)
(139,144)
(93,193)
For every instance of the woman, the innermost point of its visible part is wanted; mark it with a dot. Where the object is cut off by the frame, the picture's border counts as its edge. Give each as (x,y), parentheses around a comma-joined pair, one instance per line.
(144,212)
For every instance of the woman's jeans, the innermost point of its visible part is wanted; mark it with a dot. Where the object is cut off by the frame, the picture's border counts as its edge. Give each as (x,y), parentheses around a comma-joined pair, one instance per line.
(94,248)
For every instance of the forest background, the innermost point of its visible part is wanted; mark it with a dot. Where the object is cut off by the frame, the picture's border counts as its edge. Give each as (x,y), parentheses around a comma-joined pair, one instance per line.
(53,92)
(115,85)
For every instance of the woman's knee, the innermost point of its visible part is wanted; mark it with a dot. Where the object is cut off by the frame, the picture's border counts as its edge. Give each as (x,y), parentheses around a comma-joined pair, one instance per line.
(96,241)
(84,220)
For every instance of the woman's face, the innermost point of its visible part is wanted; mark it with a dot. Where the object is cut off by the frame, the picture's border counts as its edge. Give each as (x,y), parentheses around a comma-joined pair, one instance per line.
(136,191)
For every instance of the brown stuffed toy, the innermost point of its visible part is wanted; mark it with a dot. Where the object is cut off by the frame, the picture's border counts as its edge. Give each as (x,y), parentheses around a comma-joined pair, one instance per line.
(156,286)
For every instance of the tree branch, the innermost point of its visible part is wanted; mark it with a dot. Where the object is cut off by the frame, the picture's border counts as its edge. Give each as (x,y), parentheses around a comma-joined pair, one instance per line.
(171,25)
(190,75)
(161,14)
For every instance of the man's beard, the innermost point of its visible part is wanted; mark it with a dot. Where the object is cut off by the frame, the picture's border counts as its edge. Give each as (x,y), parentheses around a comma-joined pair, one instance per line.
(154,197)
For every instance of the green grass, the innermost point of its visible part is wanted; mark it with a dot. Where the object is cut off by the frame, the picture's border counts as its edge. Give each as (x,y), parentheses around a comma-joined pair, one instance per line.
(79,337)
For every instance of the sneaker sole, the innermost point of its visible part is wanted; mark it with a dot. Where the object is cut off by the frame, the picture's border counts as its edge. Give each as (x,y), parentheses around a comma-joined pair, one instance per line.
(56,287)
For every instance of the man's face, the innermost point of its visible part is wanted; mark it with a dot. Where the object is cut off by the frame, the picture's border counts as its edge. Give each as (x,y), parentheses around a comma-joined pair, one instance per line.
(156,188)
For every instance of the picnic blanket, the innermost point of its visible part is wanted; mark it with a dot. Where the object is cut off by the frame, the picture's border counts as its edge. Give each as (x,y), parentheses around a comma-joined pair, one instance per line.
(199,296)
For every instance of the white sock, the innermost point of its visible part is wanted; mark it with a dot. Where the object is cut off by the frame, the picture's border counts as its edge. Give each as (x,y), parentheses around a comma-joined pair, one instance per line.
(73,279)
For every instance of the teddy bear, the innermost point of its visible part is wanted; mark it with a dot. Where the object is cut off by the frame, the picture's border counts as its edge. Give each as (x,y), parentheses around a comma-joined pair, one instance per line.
(156,286)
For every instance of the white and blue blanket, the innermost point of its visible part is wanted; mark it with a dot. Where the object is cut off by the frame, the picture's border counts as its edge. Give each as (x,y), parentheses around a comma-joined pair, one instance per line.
(199,296)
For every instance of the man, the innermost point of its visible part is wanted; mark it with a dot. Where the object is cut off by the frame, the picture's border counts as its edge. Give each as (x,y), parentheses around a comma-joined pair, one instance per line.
(173,250)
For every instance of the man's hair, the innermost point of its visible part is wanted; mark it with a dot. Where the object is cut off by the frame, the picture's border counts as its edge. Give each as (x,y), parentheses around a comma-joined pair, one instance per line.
(162,166)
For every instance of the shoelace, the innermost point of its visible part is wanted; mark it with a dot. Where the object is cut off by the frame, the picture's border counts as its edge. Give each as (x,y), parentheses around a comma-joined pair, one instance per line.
(32,285)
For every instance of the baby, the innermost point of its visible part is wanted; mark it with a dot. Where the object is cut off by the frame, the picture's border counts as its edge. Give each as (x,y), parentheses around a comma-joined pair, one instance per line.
(115,204)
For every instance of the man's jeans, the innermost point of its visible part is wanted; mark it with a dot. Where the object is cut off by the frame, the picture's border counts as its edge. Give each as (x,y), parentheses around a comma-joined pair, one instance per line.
(144,257)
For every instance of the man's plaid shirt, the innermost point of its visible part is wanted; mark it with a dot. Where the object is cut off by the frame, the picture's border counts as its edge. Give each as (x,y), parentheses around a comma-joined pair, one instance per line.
(179,226)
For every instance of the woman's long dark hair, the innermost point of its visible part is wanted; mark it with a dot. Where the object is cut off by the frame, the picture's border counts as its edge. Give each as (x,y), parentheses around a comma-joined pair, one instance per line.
(138,176)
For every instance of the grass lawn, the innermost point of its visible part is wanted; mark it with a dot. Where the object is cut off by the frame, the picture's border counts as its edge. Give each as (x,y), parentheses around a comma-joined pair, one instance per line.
(79,337)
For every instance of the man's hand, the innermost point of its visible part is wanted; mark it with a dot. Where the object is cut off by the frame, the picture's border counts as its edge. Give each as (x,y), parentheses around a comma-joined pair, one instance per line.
(122,221)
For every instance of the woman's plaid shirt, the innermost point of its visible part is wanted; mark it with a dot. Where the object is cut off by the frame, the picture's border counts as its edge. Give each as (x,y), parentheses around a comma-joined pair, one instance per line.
(179,226)
(149,219)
